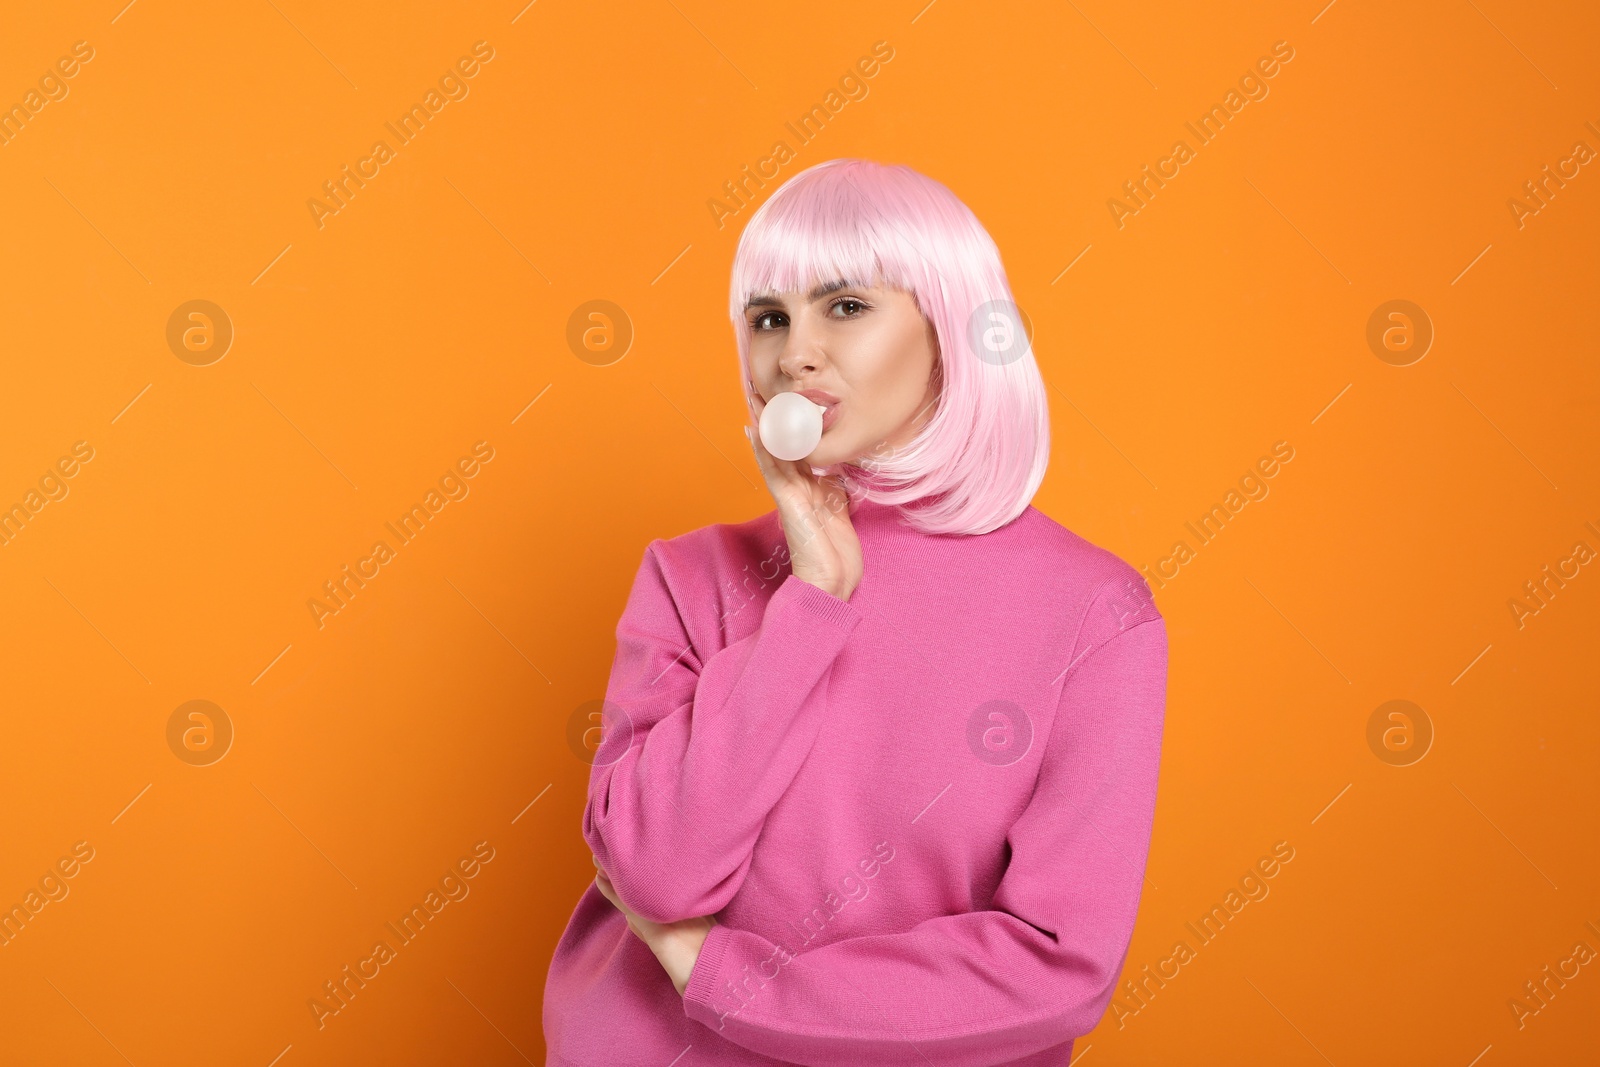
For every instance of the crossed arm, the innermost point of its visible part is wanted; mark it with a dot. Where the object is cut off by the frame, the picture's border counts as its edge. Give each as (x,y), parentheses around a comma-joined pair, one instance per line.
(1034,970)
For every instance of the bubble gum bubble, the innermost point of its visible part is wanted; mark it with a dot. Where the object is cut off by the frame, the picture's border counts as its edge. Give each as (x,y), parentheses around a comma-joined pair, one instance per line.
(791,426)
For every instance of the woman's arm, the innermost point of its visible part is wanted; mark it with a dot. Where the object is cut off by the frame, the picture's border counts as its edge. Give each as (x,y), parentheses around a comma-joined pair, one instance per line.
(984,987)
(676,945)
(685,776)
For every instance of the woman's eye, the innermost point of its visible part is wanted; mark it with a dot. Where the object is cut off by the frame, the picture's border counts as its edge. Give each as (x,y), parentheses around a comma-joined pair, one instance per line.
(774,320)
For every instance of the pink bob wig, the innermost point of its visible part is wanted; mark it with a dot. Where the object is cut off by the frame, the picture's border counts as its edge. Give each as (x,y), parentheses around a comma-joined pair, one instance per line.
(975,465)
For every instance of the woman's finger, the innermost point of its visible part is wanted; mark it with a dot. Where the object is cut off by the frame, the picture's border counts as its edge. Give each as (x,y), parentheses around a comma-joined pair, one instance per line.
(752,435)
(635,924)
(784,471)
(776,471)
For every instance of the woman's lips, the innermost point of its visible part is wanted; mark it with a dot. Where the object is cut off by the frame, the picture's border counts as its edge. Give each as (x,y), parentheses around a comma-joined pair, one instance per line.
(827,402)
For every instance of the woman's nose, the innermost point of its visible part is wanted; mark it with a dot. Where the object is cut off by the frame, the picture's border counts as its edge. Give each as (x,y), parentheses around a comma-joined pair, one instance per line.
(802,355)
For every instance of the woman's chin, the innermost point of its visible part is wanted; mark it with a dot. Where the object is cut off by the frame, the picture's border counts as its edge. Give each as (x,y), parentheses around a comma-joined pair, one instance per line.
(838,445)
(827,454)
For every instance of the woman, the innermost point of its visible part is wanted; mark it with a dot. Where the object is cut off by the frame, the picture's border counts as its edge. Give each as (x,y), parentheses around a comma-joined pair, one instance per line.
(879,767)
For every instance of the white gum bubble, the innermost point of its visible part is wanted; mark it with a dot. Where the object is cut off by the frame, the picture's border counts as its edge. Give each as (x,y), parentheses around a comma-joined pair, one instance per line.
(791,426)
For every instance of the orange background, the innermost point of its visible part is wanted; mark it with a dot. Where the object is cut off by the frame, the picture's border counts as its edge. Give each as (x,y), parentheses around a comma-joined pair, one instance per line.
(432,711)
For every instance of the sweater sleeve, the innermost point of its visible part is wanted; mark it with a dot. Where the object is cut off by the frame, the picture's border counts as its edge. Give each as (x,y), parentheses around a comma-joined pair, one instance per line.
(697,748)
(1039,967)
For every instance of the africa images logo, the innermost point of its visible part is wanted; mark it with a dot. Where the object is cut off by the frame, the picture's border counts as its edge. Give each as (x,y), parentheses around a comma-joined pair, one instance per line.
(405,129)
(336,995)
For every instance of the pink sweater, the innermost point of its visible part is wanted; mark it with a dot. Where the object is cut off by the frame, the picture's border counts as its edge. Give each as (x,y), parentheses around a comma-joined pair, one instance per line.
(920,817)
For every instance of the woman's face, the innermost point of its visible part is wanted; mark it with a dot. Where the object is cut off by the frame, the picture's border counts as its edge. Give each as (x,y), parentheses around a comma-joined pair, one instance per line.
(870,349)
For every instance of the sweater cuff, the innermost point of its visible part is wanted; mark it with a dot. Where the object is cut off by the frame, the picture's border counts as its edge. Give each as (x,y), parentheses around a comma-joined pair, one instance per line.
(817,601)
(703,976)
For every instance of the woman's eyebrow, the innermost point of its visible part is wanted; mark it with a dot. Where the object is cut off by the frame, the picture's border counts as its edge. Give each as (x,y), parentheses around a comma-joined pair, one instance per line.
(820,291)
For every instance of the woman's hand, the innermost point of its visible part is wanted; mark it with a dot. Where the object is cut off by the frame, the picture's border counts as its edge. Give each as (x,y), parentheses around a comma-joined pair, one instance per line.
(676,945)
(815,514)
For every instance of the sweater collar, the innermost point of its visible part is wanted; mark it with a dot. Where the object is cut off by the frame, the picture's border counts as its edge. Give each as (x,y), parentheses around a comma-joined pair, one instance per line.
(866,512)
